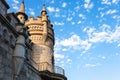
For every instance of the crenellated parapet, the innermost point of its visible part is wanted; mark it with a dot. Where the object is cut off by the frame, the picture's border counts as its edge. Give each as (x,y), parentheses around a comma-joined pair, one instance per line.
(41,31)
(32,20)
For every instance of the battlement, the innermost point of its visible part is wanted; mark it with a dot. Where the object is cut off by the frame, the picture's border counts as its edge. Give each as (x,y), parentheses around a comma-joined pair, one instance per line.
(33,21)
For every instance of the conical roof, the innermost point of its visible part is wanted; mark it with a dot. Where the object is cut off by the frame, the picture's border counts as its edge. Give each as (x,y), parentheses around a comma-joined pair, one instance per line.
(22,7)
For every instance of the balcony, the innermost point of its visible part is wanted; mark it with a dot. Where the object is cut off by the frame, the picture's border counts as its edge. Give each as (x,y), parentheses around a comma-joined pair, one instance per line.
(48,72)
(51,73)
(59,70)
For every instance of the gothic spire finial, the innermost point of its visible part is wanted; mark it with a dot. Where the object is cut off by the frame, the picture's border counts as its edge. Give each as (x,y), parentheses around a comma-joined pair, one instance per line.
(44,7)
(22,7)
(22,1)
(21,13)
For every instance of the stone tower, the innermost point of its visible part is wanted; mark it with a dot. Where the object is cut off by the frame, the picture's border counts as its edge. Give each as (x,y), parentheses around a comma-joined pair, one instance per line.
(20,57)
(42,37)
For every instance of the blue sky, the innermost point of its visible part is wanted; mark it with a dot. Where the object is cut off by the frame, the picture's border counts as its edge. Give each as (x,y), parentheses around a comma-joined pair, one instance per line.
(87,35)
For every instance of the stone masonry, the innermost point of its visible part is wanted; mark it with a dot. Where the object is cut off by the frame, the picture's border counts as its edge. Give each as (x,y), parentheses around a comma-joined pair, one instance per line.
(27,46)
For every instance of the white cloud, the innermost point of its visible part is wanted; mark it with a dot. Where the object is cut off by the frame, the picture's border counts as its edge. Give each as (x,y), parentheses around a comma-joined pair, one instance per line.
(64,49)
(59,56)
(115,35)
(103,57)
(100,8)
(77,8)
(51,9)
(79,22)
(88,4)
(59,23)
(69,18)
(102,14)
(115,1)
(116,17)
(57,10)
(15,7)
(16,1)
(57,15)
(111,11)
(117,54)
(105,35)
(72,23)
(92,65)
(118,45)
(31,12)
(69,61)
(64,4)
(107,2)
(74,39)
(74,43)
(82,16)
(52,1)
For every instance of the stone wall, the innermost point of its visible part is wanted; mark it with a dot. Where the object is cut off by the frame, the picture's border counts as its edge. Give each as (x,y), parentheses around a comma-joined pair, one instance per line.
(8,37)
(10,31)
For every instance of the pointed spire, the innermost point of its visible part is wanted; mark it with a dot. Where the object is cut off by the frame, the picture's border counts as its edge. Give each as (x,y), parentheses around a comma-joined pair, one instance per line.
(22,7)
(44,7)
(21,13)
(23,1)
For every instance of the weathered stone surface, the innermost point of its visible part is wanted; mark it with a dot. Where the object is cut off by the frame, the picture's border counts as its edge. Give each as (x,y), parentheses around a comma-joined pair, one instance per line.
(26,46)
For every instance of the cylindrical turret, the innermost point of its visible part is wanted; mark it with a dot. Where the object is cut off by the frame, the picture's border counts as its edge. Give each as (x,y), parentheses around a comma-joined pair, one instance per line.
(42,36)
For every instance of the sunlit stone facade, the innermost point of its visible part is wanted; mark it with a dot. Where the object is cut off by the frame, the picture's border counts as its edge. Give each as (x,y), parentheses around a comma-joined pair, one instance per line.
(27,46)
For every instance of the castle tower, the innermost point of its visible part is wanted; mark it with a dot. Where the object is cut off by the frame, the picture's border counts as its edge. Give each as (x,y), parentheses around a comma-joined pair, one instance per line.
(20,47)
(21,13)
(42,36)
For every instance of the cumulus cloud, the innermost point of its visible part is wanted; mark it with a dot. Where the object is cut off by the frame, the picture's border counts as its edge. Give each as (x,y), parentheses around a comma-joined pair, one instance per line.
(69,18)
(88,4)
(108,12)
(15,4)
(111,11)
(77,8)
(109,2)
(15,7)
(72,23)
(64,4)
(75,43)
(92,65)
(104,35)
(79,22)
(82,16)
(115,1)
(31,11)
(16,1)
(51,9)
(57,10)
(59,23)
(59,56)
(57,15)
